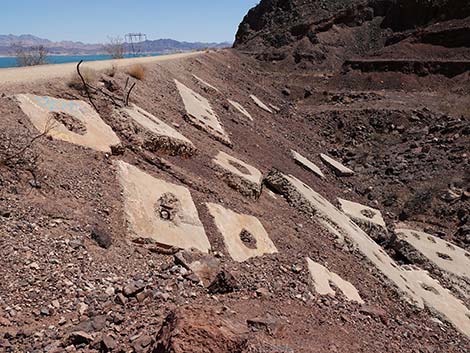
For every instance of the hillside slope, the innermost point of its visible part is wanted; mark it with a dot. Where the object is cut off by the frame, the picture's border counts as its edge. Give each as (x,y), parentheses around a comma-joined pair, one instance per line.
(227,204)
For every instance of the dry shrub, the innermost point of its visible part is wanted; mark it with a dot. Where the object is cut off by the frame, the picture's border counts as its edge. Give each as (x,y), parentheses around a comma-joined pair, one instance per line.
(89,75)
(111,71)
(30,56)
(137,71)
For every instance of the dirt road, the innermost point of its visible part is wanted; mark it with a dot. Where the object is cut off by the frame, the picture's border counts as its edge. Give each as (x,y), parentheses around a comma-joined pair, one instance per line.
(46,72)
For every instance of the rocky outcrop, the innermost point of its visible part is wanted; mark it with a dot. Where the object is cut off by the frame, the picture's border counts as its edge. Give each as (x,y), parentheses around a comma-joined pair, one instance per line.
(327,31)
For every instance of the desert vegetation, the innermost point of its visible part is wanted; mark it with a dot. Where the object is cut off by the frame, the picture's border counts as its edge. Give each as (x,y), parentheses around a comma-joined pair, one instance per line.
(136,71)
(29,56)
(89,75)
(115,47)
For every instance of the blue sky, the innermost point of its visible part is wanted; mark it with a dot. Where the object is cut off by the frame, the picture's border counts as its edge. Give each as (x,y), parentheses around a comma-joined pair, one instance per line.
(92,21)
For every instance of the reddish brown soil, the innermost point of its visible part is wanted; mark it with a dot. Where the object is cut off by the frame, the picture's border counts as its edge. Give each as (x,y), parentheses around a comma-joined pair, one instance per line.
(50,265)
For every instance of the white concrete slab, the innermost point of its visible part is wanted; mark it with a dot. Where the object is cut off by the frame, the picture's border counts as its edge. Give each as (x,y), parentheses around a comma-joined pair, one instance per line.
(239,175)
(448,257)
(40,110)
(244,236)
(260,104)
(313,204)
(440,300)
(205,83)
(276,108)
(201,114)
(304,162)
(362,213)
(369,219)
(335,166)
(322,278)
(158,210)
(241,109)
(161,136)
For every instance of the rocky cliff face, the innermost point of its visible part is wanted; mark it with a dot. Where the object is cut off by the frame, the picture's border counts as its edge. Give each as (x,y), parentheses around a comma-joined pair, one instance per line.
(327,31)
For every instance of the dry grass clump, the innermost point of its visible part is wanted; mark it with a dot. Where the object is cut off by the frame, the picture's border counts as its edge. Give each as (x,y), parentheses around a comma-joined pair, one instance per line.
(111,71)
(89,75)
(137,71)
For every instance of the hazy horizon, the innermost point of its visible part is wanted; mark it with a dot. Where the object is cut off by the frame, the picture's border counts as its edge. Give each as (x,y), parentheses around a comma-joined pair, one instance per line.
(104,42)
(94,21)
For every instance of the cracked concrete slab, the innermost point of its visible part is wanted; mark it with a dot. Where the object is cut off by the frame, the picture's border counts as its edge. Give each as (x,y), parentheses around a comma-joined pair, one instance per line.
(68,120)
(161,211)
(305,163)
(205,83)
(241,109)
(260,104)
(244,235)
(448,257)
(322,278)
(335,166)
(239,175)
(159,136)
(200,114)
(305,199)
(369,219)
(440,300)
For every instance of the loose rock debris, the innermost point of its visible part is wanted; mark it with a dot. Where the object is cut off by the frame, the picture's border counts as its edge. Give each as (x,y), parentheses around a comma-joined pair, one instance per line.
(239,175)
(200,114)
(205,267)
(158,210)
(244,236)
(71,121)
(159,136)
(322,277)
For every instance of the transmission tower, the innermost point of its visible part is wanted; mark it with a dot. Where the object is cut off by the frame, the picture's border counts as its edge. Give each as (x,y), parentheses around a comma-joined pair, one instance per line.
(134,38)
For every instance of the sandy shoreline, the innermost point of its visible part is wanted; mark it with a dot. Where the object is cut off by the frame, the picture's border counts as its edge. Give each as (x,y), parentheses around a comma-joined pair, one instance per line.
(51,71)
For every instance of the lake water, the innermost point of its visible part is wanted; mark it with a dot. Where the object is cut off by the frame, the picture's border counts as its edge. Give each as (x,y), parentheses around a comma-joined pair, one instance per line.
(62,59)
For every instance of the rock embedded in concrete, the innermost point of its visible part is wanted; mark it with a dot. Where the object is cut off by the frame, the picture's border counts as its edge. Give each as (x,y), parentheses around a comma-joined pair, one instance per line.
(336,167)
(322,278)
(200,114)
(239,175)
(260,104)
(158,210)
(305,163)
(446,256)
(157,135)
(72,121)
(244,236)
(369,219)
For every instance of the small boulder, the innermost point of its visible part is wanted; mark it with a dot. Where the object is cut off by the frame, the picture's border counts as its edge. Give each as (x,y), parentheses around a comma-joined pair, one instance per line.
(102,238)
(223,283)
(78,338)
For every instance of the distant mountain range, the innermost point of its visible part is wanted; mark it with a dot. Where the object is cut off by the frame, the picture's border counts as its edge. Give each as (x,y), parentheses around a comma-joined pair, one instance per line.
(78,48)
